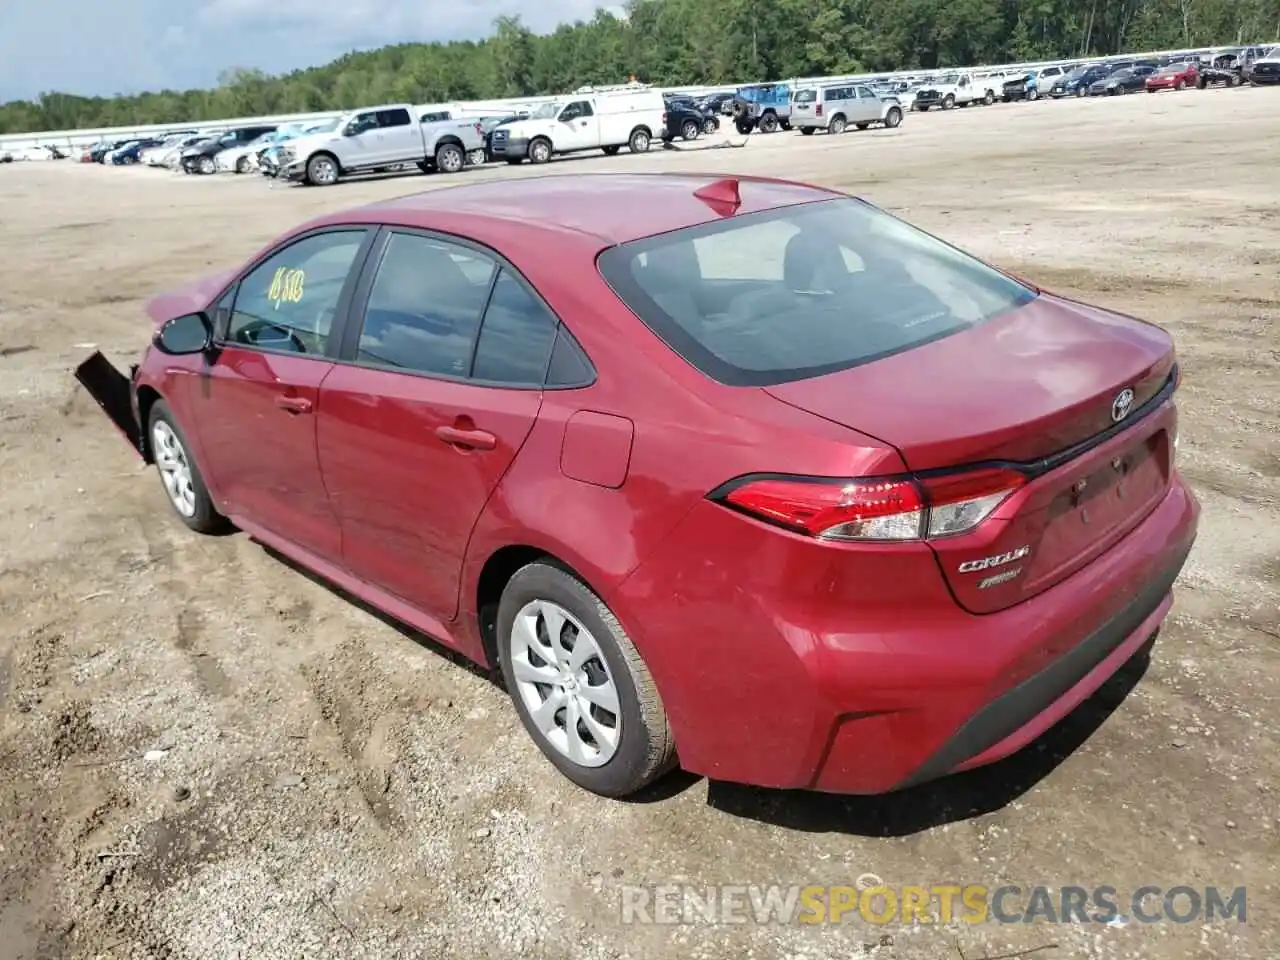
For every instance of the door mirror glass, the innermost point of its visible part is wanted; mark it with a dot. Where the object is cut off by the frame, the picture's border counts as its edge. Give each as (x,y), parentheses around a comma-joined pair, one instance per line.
(187,334)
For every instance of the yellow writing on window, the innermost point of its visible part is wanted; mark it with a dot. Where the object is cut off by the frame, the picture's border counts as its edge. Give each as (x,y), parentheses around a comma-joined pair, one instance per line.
(286,286)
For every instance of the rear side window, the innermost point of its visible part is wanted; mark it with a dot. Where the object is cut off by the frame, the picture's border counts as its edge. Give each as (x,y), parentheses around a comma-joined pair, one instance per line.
(802,291)
(516,336)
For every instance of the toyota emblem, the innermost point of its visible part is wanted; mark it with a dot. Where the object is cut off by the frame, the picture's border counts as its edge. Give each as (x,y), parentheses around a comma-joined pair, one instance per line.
(1121,405)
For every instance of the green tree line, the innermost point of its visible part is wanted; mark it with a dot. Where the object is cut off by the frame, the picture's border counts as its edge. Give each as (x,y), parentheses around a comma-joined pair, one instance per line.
(673,42)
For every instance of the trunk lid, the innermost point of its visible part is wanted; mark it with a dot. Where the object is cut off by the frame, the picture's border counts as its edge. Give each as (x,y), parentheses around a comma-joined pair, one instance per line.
(1026,387)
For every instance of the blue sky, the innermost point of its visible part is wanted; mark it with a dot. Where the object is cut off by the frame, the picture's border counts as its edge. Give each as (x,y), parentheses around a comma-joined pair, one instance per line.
(92,47)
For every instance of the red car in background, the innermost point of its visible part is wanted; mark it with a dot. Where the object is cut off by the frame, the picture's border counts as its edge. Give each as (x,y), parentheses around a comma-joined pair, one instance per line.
(740,474)
(1173,76)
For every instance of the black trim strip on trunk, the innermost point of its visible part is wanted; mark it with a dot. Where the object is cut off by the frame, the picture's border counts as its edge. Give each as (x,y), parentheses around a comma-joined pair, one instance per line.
(1030,470)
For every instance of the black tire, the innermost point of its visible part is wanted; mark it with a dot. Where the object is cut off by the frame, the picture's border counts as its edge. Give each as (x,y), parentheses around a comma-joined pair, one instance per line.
(242,165)
(837,124)
(769,123)
(1201,84)
(646,748)
(743,128)
(450,158)
(710,125)
(611,150)
(540,150)
(989,98)
(322,170)
(207,165)
(690,129)
(515,161)
(949,101)
(924,107)
(806,131)
(639,140)
(1033,94)
(206,518)
(862,126)
(893,118)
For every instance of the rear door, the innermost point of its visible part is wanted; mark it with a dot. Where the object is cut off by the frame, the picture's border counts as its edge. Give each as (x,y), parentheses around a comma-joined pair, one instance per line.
(401,138)
(439,385)
(256,403)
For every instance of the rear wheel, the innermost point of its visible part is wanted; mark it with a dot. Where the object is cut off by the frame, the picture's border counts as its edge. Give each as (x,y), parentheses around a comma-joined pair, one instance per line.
(639,141)
(893,118)
(710,125)
(183,482)
(689,129)
(450,158)
(769,123)
(579,685)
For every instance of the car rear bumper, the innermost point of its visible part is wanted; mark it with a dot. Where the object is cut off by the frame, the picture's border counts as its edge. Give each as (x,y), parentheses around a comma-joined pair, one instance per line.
(786,664)
(115,395)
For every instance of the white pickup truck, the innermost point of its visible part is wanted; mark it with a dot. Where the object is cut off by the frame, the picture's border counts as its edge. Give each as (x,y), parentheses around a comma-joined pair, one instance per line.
(959,88)
(603,120)
(380,138)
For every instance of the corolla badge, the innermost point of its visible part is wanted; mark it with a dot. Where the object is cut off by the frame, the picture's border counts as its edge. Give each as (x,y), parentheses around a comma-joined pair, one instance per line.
(999,560)
(1121,405)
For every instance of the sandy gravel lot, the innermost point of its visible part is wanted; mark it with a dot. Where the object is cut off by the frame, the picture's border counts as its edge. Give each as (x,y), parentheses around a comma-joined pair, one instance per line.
(331,786)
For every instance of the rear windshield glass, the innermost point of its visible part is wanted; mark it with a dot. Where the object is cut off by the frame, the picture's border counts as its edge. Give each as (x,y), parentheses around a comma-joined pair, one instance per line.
(802,291)
(806,96)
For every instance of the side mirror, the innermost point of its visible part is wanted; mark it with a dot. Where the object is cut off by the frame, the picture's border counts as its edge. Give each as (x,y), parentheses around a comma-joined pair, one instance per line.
(185,335)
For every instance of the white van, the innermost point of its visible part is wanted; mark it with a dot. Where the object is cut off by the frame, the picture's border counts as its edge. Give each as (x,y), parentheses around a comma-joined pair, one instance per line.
(606,120)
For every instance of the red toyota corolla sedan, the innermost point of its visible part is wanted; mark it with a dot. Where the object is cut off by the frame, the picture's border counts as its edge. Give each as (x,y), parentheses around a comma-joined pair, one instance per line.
(742,472)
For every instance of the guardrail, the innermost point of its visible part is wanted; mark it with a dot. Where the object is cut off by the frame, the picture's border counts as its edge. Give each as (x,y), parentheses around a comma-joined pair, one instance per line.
(78,138)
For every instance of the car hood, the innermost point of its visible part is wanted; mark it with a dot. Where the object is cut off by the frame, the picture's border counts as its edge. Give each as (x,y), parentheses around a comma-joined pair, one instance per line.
(191,297)
(1021,386)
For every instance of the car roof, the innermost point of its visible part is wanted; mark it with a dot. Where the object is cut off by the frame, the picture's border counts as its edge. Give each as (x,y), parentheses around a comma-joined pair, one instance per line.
(607,208)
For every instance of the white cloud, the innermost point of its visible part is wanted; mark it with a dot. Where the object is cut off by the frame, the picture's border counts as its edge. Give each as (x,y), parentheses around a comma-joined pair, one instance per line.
(94,48)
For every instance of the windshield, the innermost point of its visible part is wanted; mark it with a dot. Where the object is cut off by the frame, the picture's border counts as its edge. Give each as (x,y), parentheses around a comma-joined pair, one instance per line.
(949,78)
(548,111)
(806,96)
(1122,73)
(1270,53)
(802,291)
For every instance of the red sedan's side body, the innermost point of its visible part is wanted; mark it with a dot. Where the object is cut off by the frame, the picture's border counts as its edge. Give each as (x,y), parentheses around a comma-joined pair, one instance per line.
(781,660)
(1185,76)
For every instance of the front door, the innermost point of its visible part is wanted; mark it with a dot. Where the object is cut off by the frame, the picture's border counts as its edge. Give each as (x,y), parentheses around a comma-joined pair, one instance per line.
(579,127)
(416,431)
(868,105)
(365,144)
(257,400)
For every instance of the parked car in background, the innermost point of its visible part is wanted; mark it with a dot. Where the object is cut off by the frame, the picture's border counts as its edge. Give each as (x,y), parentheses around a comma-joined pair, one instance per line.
(718,103)
(683,119)
(1265,70)
(835,107)
(607,120)
(597,446)
(379,138)
(1015,88)
(1124,80)
(169,152)
(708,117)
(201,157)
(1076,82)
(489,124)
(1173,76)
(131,153)
(762,106)
(1041,81)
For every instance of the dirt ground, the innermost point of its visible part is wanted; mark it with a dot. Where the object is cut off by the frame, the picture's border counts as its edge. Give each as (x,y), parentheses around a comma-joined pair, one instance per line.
(205,754)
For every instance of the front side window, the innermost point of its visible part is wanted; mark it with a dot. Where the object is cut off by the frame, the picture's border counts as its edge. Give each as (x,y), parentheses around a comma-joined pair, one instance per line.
(393,118)
(424,306)
(802,291)
(362,123)
(576,111)
(288,302)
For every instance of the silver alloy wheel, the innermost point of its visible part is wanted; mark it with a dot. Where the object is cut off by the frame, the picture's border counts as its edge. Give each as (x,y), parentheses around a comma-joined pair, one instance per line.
(450,159)
(540,152)
(323,171)
(175,468)
(565,684)
(207,165)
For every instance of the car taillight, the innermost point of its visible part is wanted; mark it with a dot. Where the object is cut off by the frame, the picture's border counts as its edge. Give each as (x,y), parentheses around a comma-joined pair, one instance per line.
(817,110)
(876,508)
